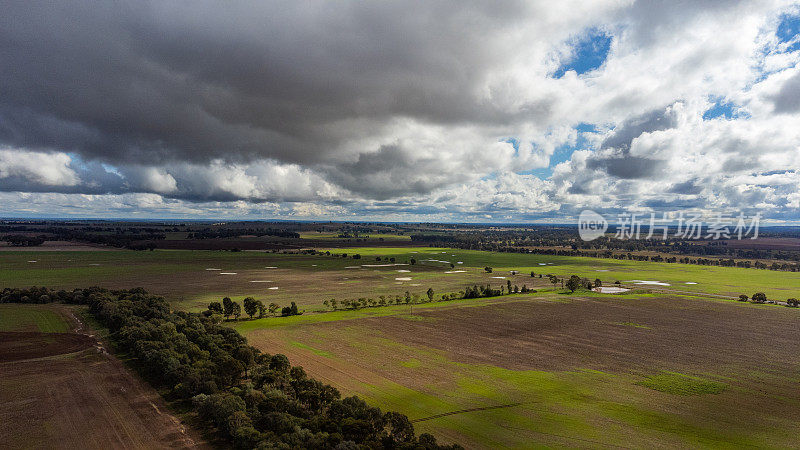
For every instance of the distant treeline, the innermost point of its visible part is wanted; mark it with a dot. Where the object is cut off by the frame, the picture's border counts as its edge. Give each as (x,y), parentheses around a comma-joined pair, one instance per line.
(611,248)
(131,238)
(21,240)
(215,233)
(254,399)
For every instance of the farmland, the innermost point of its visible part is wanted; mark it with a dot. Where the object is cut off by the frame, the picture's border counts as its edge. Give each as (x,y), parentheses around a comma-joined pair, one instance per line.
(60,389)
(677,363)
(191,279)
(555,369)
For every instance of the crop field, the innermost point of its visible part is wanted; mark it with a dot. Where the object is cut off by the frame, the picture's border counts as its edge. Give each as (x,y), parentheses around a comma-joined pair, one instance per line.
(45,319)
(59,389)
(191,279)
(564,370)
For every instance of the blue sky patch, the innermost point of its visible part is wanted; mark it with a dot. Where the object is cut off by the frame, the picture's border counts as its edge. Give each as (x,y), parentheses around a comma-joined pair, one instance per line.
(588,53)
(564,152)
(788,31)
(725,110)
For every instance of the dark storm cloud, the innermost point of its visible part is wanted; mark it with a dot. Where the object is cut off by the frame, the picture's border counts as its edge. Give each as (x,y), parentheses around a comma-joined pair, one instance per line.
(787,100)
(617,160)
(194,81)
(624,134)
(688,187)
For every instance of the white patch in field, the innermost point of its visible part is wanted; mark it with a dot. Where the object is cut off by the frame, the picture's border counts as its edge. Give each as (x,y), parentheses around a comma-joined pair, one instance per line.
(94,264)
(415,284)
(353,267)
(261,281)
(610,290)
(213,269)
(460,262)
(404,271)
(273,288)
(271,267)
(32,261)
(690,282)
(648,282)
(455,271)
(227,273)
(501,278)
(403,279)
(542,264)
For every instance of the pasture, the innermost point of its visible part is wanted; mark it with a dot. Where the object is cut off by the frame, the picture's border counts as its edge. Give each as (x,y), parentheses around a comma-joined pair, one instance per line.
(190,279)
(563,370)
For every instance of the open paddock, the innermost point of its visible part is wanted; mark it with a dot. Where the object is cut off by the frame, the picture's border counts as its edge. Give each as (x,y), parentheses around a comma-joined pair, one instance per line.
(564,370)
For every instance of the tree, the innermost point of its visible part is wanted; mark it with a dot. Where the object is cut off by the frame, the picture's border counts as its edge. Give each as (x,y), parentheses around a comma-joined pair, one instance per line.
(793,302)
(227,306)
(759,297)
(743,298)
(273,307)
(597,282)
(573,283)
(508,284)
(294,309)
(215,307)
(487,269)
(532,274)
(430,294)
(413,261)
(237,311)
(262,310)
(250,306)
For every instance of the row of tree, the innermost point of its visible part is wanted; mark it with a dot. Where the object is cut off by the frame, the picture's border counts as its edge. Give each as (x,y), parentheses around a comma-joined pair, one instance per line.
(252,307)
(760,297)
(253,399)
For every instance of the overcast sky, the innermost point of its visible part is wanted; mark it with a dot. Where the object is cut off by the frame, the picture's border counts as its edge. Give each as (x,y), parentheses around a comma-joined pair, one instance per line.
(399,110)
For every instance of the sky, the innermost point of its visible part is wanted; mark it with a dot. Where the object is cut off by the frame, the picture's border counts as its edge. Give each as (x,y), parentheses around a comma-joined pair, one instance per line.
(422,111)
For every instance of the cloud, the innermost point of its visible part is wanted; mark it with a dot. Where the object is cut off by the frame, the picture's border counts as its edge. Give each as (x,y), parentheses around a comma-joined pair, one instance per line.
(396,110)
(27,169)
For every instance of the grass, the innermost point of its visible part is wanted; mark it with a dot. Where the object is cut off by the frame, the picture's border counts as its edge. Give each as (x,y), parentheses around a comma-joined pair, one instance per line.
(181,275)
(680,384)
(44,319)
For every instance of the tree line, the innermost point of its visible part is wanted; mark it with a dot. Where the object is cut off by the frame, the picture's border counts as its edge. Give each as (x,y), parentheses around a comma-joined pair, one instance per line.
(254,399)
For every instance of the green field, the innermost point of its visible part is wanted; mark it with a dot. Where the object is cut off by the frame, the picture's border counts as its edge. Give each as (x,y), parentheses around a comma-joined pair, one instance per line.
(595,384)
(182,275)
(369,236)
(41,318)
(659,366)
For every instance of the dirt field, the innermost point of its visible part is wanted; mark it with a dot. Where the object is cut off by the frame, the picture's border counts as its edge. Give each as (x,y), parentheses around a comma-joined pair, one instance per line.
(62,390)
(570,372)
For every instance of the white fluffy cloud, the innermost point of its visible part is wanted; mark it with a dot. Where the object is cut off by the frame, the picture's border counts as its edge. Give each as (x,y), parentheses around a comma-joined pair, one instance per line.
(442,111)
